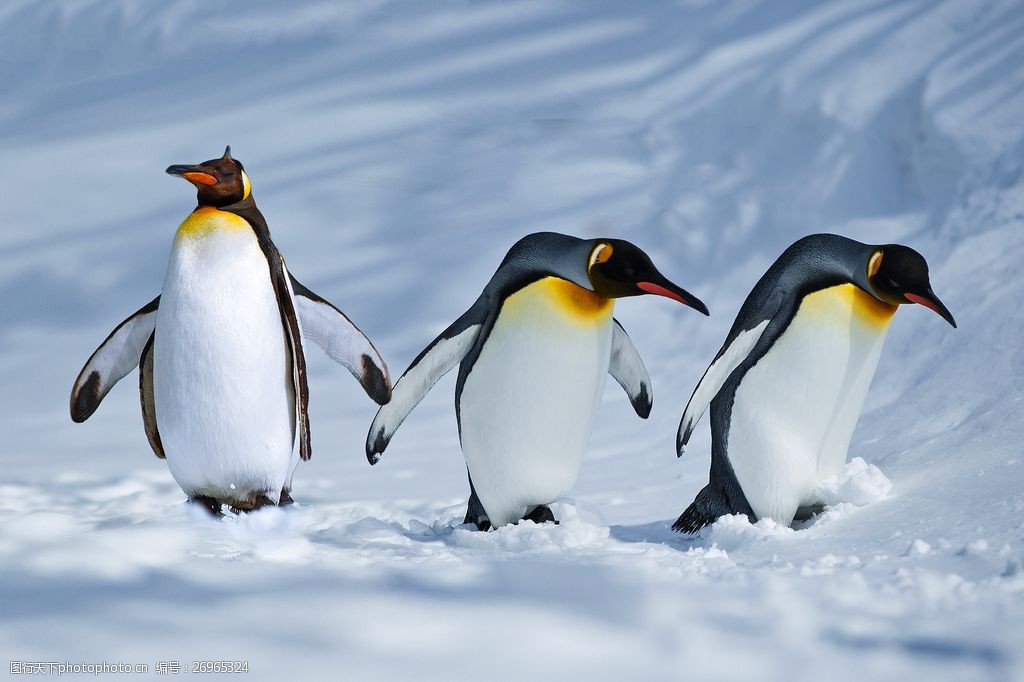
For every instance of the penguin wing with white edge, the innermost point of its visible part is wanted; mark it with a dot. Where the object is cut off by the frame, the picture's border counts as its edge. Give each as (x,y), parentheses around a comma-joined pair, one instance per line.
(734,352)
(116,356)
(342,341)
(628,369)
(436,360)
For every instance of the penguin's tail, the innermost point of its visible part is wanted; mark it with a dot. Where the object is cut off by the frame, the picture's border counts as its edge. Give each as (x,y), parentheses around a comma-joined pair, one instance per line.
(703,511)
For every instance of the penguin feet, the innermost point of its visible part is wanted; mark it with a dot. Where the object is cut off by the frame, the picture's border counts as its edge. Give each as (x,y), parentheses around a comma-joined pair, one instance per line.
(710,504)
(208,503)
(475,512)
(808,512)
(482,523)
(477,516)
(541,514)
(252,503)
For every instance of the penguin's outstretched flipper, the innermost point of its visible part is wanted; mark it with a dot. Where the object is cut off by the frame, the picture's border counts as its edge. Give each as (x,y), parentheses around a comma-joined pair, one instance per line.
(628,369)
(117,355)
(436,360)
(742,340)
(334,333)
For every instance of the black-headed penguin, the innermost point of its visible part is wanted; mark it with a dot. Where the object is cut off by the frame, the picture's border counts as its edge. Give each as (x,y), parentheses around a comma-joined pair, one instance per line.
(533,352)
(788,385)
(223,374)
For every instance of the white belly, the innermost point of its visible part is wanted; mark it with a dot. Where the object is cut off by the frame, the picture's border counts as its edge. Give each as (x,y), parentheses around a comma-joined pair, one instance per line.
(221,369)
(528,405)
(795,410)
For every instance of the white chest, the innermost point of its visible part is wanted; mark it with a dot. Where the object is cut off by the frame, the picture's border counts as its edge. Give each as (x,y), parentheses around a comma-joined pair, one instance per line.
(529,402)
(795,410)
(221,371)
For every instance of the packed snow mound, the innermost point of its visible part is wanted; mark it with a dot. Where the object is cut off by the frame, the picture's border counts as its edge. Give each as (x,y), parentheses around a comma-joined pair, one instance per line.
(731,532)
(859,483)
(576,528)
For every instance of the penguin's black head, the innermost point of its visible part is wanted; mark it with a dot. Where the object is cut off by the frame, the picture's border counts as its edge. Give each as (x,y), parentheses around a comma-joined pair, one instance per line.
(617,269)
(220,181)
(898,274)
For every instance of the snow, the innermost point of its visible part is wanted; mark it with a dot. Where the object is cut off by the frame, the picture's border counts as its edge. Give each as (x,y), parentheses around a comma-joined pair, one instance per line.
(859,483)
(397,150)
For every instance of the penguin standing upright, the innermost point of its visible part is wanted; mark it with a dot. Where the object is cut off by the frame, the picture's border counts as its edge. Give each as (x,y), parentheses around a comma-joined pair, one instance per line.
(789,383)
(533,352)
(223,374)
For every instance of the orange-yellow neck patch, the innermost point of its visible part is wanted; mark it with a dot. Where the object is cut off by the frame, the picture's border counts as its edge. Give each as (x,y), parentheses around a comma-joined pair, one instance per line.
(207,219)
(847,300)
(571,300)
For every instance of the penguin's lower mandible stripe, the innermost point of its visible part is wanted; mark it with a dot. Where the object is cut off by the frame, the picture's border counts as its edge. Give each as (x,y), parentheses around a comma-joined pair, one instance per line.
(788,385)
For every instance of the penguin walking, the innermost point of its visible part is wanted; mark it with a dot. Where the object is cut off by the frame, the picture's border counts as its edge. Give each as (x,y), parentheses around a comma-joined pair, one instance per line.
(223,374)
(532,354)
(789,382)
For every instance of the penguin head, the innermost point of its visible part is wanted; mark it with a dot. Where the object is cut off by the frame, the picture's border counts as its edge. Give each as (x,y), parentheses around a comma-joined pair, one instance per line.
(617,269)
(220,181)
(897,274)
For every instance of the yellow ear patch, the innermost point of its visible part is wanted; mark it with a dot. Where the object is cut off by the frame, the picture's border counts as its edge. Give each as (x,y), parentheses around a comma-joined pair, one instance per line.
(874,264)
(601,253)
(246,186)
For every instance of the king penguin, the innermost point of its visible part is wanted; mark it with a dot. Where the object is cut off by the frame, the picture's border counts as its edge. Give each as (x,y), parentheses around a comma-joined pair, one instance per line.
(788,385)
(533,351)
(223,374)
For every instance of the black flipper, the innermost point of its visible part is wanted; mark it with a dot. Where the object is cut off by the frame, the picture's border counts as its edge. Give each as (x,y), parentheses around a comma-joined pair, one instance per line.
(628,369)
(331,330)
(475,512)
(742,347)
(436,360)
(117,355)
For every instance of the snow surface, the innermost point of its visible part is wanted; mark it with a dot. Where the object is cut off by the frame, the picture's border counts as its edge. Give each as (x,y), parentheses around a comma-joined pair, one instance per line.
(397,150)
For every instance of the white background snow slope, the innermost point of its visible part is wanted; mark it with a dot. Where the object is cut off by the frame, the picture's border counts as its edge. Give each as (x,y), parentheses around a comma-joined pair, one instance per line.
(397,150)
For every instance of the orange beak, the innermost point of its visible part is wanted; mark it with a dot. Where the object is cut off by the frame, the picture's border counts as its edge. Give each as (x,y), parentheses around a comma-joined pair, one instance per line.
(197,175)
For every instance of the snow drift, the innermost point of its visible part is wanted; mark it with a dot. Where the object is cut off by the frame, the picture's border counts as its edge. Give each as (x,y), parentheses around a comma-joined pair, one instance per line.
(397,150)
